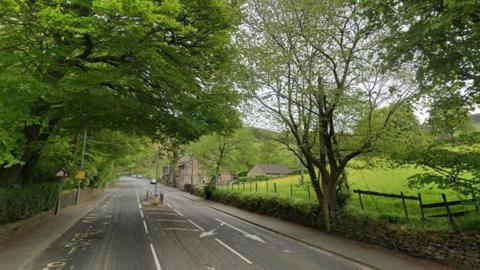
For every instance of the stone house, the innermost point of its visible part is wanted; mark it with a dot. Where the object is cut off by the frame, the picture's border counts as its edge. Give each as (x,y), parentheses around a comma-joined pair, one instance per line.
(188,173)
(271,170)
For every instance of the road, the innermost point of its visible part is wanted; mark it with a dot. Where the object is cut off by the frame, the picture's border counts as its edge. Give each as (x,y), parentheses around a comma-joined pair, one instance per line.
(124,233)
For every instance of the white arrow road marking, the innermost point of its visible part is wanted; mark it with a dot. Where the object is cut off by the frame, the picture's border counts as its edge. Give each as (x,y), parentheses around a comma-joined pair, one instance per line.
(211,232)
(233,251)
(245,234)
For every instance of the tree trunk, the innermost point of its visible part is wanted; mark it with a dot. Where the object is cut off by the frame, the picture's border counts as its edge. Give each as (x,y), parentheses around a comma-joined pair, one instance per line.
(32,134)
(28,169)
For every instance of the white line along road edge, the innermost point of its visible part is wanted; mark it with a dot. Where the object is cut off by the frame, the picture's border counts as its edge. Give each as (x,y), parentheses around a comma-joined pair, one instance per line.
(178,212)
(145,226)
(233,251)
(157,262)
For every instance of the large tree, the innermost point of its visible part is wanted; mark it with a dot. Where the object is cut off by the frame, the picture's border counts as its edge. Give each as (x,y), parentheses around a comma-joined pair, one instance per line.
(156,68)
(440,37)
(314,67)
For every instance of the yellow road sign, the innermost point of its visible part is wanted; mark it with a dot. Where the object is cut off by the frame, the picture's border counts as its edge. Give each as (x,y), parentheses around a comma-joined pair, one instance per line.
(80,175)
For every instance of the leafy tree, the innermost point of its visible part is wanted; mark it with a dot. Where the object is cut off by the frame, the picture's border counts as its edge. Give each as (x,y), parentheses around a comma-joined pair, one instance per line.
(449,115)
(154,68)
(212,153)
(446,167)
(313,66)
(440,38)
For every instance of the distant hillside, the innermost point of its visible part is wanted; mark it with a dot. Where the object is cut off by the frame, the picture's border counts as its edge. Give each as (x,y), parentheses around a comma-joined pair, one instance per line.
(475,118)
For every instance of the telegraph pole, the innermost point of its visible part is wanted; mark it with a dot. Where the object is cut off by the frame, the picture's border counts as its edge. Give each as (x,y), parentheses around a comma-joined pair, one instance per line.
(81,166)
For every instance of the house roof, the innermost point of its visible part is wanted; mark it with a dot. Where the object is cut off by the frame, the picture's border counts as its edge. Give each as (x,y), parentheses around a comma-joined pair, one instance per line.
(274,169)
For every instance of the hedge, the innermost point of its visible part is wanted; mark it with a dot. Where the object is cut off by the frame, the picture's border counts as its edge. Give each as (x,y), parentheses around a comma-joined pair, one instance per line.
(298,211)
(20,202)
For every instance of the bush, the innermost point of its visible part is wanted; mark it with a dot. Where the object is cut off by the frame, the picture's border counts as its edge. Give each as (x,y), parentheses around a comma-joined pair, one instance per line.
(20,202)
(298,211)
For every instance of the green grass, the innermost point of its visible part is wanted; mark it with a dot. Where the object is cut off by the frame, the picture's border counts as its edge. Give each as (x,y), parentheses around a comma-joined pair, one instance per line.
(380,180)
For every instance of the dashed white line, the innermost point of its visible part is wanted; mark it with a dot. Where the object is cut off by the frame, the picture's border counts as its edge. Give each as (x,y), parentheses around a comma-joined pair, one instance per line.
(233,251)
(196,225)
(169,205)
(141,214)
(182,229)
(155,257)
(178,212)
(167,220)
(140,206)
(145,226)
(163,214)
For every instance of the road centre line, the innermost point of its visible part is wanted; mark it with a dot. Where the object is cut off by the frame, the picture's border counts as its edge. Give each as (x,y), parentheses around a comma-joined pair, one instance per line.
(155,257)
(145,226)
(182,229)
(165,214)
(233,251)
(196,225)
(178,212)
(167,220)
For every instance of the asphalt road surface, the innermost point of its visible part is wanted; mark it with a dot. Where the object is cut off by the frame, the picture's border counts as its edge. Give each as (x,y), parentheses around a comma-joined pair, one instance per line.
(124,233)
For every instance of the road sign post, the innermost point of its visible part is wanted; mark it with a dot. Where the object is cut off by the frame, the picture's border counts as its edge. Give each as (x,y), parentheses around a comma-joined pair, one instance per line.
(62,174)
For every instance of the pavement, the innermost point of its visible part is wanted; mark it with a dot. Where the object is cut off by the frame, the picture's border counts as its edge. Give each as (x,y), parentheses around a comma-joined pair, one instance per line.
(36,234)
(121,231)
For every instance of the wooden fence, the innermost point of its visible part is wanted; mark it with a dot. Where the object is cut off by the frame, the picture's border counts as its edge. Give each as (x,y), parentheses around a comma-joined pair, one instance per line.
(444,204)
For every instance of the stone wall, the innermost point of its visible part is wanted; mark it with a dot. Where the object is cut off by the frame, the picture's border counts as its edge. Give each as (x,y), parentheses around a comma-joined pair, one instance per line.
(461,250)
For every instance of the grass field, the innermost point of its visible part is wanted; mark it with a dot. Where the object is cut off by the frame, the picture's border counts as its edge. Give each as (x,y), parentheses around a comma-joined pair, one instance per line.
(380,180)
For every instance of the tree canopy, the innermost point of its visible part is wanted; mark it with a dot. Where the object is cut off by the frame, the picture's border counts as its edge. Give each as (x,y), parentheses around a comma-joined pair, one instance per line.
(153,68)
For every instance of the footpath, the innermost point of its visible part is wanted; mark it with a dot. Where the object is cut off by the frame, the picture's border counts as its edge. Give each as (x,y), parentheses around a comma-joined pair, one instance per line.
(369,255)
(28,238)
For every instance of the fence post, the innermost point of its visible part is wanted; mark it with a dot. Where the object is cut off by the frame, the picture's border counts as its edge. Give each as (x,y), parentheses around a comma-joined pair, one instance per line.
(256,186)
(250,186)
(361,202)
(275,187)
(450,217)
(243,186)
(421,208)
(475,202)
(238,186)
(404,205)
(308,191)
(291,190)
(266,183)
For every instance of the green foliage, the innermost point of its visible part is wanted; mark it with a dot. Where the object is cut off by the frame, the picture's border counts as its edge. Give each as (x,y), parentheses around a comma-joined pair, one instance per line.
(263,203)
(441,38)
(401,131)
(19,202)
(242,150)
(449,116)
(456,168)
(147,68)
